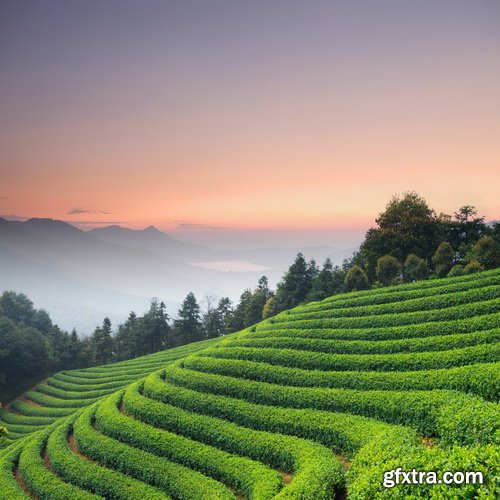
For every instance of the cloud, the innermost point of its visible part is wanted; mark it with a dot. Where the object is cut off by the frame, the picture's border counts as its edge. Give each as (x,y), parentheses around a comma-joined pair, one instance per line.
(14,217)
(3,197)
(80,210)
(182,224)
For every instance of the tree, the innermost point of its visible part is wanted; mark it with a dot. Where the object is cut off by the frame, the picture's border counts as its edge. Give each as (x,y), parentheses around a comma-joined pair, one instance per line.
(487,252)
(102,343)
(255,306)
(465,229)
(25,357)
(211,318)
(415,268)
(323,284)
(408,225)
(465,213)
(295,284)
(356,279)
(127,341)
(188,323)
(17,307)
(270,308)
(388,270)
(225,310)
(494,231)
(154,330)
(456,270)
(443,259)
(74,350)
(238,319)
(473,267)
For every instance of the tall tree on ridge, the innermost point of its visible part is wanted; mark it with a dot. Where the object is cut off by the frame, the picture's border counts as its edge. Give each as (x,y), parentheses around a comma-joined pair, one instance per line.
(188,323)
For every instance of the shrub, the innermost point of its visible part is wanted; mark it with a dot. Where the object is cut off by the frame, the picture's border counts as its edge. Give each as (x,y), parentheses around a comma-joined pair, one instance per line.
(473,267)
(456,270)
(389,270)
(415,268)
(356,279)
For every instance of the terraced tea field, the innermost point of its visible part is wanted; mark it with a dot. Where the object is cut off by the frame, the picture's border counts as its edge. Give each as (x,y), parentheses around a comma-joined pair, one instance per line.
(65,392)
(314,403)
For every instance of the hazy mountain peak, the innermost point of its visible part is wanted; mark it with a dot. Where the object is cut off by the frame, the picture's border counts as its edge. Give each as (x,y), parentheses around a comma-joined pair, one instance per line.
(48,224)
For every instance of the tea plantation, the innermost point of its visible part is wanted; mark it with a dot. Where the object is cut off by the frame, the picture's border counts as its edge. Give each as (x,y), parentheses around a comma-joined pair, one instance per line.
(314,403)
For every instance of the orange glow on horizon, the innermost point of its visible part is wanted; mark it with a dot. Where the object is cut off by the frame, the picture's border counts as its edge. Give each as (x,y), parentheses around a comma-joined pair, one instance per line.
(239,125)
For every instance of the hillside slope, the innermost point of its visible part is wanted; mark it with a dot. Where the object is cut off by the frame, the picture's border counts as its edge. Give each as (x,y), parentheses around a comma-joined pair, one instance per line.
(324,397)
(65,392)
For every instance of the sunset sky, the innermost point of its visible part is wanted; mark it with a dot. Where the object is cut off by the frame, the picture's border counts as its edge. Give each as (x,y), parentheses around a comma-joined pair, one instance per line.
(260,115)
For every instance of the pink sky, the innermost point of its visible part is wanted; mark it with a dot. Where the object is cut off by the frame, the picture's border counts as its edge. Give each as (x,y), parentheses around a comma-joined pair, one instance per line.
(304,118)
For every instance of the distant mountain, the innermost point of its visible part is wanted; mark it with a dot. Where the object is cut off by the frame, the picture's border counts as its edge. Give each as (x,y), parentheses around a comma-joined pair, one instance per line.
(152,239)
(81,276)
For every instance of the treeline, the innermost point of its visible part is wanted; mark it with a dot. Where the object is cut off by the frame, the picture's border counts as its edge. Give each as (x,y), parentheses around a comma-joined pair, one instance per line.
(410,242)
(31,346)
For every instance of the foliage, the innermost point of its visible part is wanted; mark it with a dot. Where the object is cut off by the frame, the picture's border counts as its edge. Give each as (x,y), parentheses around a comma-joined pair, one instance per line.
(400,376)
(188,322)
(389,270)
(102,343)
(473,267)
(456,270)
(408,225)
(296,283)
(356,279)
(487,252)
(443,259)
(415,268)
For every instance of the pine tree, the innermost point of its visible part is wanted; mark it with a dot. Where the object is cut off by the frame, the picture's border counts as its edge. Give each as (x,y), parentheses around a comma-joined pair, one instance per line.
(296,283)
(323,285)
(188,324)
(238,319)
(102,343)
(153,333)
(255,306)
(127,339)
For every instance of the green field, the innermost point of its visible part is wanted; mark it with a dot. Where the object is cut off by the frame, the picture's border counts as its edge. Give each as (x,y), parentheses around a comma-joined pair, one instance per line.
(314,403)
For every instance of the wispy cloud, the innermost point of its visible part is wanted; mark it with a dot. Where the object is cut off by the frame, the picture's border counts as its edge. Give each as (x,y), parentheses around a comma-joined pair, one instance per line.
(14,217)
(81,210)
(3,197)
